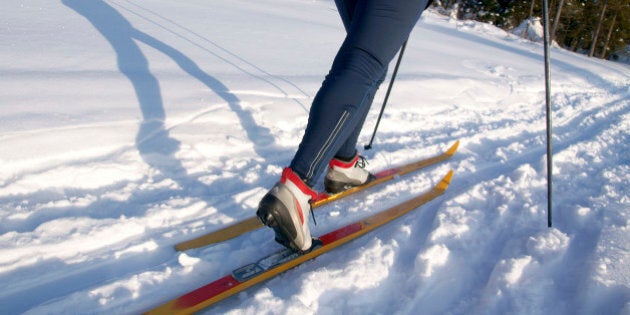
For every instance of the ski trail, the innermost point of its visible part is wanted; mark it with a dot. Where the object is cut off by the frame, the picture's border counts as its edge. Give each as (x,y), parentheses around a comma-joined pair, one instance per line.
(517,257)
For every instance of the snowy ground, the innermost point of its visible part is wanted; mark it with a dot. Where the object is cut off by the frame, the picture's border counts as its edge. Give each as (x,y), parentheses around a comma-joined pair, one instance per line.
(129,126)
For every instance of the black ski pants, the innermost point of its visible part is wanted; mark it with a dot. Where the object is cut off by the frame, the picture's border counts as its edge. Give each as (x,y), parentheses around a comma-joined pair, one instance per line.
(376,29)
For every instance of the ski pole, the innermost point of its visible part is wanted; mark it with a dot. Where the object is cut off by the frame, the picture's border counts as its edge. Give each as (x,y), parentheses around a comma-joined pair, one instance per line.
(548,107)
(389,89)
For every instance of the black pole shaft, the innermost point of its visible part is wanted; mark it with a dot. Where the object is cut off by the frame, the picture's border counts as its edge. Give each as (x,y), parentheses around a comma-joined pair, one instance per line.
(389,90)
(548,107)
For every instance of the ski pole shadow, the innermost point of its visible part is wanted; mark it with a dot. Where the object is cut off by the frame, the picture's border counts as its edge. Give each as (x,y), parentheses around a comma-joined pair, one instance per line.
(256,72)
(153,140)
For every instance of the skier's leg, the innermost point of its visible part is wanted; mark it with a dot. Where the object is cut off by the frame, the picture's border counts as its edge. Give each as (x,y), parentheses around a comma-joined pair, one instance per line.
(346,9)
(376,32)
(348,148)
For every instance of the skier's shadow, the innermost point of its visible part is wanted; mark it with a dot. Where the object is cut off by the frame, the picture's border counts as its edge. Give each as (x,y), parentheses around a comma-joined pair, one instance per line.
(153,141)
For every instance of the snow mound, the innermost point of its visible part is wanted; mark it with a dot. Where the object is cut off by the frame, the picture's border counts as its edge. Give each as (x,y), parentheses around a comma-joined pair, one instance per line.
(531,29)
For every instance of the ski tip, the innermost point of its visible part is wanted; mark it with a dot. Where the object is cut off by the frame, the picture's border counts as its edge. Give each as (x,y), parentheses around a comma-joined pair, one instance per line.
(453,148)
(443,184)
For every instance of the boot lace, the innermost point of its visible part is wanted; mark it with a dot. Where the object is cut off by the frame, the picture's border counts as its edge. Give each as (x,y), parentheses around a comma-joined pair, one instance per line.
(361,162)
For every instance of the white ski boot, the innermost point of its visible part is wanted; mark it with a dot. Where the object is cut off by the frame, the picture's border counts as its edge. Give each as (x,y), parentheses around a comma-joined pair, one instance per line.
(343,175)
(286,209)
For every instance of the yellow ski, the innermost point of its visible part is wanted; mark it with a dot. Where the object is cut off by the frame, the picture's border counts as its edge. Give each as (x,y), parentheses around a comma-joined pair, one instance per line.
(285,259)
(253,223)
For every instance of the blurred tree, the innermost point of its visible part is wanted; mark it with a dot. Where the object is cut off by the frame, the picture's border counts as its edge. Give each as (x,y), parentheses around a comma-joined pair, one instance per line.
(598,27)
(584,26)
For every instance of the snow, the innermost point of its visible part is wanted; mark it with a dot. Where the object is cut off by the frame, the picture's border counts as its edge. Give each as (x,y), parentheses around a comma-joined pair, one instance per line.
(531,29)
(127,127)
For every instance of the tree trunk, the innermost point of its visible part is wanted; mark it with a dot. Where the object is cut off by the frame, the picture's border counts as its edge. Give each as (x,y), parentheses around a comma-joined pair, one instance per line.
(556,20)
(610,30)
(599,26)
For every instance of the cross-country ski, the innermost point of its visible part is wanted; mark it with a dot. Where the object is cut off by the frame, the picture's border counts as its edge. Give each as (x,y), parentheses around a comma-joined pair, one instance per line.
(253,222)
(272,265)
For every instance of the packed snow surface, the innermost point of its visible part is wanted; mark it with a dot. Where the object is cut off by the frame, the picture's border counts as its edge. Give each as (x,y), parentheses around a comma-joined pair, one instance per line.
(129,126)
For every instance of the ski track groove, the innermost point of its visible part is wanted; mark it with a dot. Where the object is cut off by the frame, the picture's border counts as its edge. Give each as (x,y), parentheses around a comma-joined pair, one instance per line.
(496,153)
(462,184)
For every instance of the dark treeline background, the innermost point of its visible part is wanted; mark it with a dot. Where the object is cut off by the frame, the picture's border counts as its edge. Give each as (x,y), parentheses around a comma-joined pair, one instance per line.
(598,28)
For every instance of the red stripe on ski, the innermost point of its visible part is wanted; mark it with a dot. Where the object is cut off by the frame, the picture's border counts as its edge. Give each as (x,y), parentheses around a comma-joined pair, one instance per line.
(341,233)
(385,173)
(228,282)
(202,294)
